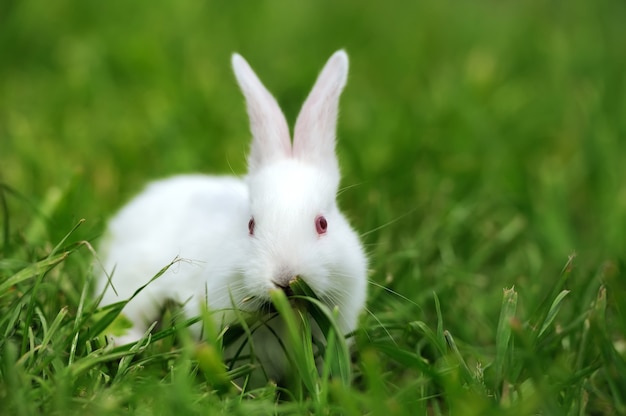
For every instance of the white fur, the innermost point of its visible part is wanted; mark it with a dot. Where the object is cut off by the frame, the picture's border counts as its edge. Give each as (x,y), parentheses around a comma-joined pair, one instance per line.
(204,220)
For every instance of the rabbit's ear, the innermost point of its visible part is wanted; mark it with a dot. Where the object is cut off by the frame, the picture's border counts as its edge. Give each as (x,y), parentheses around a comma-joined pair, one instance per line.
(314,134)
(270,134)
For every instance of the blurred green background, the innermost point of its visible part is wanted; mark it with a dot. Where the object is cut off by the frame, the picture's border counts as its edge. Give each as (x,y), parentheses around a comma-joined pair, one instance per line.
(485,140)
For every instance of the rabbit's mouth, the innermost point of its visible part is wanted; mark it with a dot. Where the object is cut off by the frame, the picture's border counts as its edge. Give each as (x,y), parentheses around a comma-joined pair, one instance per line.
(296,291)
(287,290)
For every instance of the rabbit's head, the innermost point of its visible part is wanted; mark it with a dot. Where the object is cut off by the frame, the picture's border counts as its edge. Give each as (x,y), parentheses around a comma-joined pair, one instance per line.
(296,229)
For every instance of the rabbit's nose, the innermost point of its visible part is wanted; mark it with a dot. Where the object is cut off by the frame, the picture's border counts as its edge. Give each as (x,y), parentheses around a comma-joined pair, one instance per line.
(283,282)
(285,285)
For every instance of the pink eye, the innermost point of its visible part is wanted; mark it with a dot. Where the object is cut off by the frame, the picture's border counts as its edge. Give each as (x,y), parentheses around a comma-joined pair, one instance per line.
(251,226)
(321,225)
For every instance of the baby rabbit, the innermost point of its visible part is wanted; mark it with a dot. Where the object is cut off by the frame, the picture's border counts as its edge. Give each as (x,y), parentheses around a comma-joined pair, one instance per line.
(242,238)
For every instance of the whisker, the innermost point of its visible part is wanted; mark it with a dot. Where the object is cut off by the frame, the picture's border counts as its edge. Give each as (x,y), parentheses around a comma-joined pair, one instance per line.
(381,325)
(393,292)
(348,187)
(380,227)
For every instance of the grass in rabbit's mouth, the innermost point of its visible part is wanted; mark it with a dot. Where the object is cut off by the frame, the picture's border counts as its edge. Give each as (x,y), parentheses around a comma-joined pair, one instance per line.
(306,334)
(297,293)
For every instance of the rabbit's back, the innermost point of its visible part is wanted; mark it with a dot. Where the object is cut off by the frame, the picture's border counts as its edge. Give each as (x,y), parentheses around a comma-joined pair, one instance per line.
(200,219)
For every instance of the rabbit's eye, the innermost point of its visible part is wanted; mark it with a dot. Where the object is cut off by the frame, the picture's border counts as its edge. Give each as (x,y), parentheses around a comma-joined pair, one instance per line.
(251,226)
(321,225)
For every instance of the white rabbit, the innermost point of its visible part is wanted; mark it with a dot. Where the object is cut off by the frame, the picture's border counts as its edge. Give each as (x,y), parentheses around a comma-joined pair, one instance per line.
(243,238)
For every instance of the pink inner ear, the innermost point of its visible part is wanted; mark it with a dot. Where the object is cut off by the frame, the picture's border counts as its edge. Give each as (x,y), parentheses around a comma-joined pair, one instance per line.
(271,139)
(321,225)
(314,132)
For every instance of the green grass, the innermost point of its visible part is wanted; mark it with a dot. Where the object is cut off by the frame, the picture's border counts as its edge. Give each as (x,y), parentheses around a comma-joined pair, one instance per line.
(482,146)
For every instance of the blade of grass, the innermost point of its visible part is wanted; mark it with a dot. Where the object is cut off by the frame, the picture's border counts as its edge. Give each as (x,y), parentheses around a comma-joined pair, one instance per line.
(337,356)
(300,353)
(13,377)
(405,358)
(532,362)
(52,330)
(614,363)
(467,375)
(503,335)
(542,312)
(440,332)
(6,229)
(78,320)
(553,311)
(39,279)
(113,310)
(135,348)
(438,343)
(34,270)
(336,353)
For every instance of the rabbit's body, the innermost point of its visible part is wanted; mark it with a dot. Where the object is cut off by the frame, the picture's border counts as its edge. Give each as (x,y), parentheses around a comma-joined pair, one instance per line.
(239,239)
(186,209)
